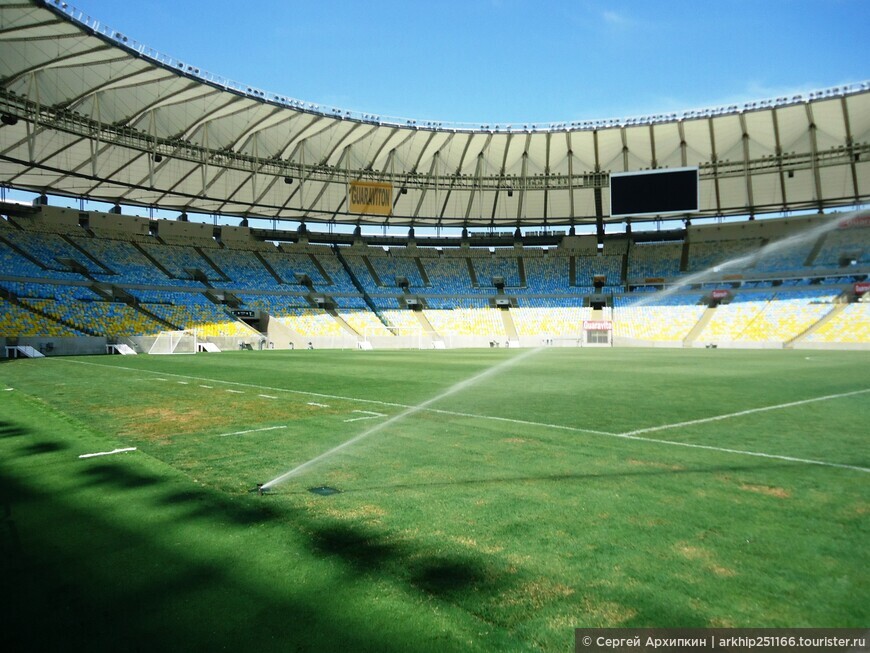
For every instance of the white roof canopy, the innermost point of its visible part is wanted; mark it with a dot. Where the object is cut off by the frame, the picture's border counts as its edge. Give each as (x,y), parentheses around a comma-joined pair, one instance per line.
(87,112)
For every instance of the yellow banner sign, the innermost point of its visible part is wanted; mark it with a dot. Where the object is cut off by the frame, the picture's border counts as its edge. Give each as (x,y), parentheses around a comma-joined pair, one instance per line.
(371,197)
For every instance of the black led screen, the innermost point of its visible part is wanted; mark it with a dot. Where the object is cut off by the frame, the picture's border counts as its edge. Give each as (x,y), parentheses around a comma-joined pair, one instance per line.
(654,192)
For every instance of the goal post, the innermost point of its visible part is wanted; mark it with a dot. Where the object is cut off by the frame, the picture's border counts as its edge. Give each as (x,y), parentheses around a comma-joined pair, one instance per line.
(174,342)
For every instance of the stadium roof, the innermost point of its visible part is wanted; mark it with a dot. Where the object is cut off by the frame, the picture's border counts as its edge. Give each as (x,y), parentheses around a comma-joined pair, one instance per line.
(88,112)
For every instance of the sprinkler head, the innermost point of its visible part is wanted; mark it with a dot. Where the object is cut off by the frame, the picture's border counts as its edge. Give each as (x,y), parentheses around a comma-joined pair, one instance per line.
(260,489)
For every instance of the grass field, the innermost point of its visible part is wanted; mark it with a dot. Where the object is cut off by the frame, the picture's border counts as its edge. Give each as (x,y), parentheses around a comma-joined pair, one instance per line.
(569,488)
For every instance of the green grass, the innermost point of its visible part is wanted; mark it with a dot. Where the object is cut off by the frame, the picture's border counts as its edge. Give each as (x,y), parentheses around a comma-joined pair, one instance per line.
(453,530)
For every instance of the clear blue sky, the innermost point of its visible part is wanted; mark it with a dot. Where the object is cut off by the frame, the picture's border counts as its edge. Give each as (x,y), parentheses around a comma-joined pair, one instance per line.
(510,60)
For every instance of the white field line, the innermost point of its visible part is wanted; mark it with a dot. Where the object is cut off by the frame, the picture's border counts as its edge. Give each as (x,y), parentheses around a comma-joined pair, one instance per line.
(268,428)
(716,418)
(268,396)
(237,392)
(107,453)
(521,422)
(367,414)
(359,400)
(209,387)
(629,435)
(183,383)
(741,452)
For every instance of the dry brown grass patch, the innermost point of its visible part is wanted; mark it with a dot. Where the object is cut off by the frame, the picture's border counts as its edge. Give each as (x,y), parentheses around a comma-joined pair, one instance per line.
(190,411)
(533,595)
(367,511)
(705,558)
(471,543)
(605,613)
(778,492)
(655,465)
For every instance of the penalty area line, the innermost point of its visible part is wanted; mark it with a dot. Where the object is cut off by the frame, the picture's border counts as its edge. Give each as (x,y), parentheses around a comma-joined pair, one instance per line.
(742,452)
(741,413)
(637,433)
(268,428)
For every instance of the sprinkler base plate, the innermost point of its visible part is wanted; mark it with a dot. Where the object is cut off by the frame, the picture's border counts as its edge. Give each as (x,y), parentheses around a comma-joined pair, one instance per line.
(324,490)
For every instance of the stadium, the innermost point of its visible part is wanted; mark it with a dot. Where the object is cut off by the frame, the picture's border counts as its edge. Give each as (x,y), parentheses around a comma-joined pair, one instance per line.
(315,379)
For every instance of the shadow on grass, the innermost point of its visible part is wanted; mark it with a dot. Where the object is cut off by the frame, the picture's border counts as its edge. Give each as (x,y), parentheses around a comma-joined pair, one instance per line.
(452,575)
(369,551)
(561,478)
(201,504)
(44,447)
(117,475)
(90,573)
(11,429)
(363,549)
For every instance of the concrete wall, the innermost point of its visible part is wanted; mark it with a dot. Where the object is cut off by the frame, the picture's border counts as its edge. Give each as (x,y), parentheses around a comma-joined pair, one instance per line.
(52,346)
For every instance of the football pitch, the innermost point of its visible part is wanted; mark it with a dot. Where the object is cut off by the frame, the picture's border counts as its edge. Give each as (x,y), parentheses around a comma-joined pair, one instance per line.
(470,500)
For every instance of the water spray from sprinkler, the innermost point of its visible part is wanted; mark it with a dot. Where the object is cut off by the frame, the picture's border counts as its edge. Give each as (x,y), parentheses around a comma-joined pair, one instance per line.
(457,387)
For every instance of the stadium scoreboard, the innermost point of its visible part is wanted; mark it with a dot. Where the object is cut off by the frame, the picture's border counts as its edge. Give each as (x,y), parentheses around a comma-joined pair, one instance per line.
(654,192)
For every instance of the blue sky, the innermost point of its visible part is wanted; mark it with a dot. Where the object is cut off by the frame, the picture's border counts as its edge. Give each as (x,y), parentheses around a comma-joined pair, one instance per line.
(510,60)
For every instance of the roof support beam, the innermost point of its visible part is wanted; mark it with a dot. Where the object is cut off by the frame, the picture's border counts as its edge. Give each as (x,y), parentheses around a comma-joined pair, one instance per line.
(95,141)
(478,169)
(624,139)
(501,178)
(29,27)
(62,61)
(163,101)
(33,128)
(433,174)
(456,175)
(570,177)
(384,143)
(524,173)
(547,177)
(684,155)
(850,147)
(747,176)
(714,160)
(778,151)
(817,176)
(328,181)
(122,81)
(257,198)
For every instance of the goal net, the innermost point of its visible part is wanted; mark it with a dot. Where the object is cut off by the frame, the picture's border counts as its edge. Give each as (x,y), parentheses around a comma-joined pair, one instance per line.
(401,338)
(174,342)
